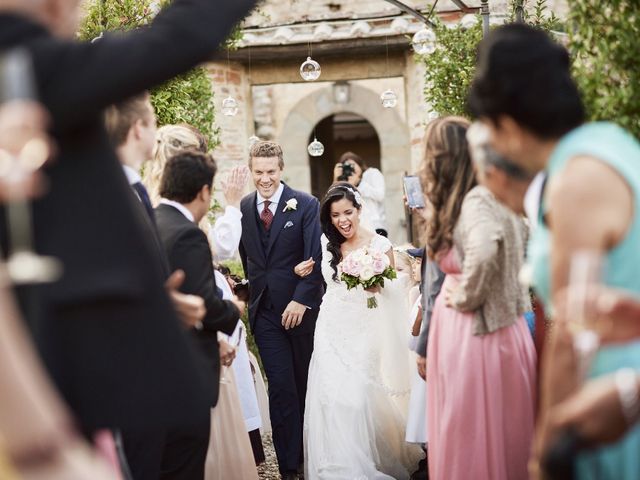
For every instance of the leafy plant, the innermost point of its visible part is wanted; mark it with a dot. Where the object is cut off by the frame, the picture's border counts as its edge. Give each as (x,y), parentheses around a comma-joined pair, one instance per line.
(187,98)
(604,40)
(449,70)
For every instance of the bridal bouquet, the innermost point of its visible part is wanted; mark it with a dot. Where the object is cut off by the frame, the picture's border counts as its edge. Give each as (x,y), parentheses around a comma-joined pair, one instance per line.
(367,268)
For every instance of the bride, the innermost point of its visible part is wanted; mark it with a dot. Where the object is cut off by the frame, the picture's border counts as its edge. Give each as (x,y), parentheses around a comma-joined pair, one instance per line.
(357,394)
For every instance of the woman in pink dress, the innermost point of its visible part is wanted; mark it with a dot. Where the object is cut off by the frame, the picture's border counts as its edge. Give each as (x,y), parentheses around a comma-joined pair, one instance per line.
(480,356)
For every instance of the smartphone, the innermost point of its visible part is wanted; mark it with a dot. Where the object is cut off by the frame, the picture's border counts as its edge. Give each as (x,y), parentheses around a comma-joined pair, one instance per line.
(413,191)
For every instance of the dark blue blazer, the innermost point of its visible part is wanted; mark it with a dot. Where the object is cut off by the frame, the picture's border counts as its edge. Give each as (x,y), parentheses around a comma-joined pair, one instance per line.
(294,237)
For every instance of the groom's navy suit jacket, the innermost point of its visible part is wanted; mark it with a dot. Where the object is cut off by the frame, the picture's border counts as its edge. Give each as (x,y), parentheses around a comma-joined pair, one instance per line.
(269,258)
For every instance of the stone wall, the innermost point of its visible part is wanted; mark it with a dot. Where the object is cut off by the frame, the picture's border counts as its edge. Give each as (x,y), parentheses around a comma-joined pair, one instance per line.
(231,79)
(279,12)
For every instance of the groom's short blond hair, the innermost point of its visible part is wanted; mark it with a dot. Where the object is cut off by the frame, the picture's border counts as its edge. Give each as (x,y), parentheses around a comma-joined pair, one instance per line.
(265,149)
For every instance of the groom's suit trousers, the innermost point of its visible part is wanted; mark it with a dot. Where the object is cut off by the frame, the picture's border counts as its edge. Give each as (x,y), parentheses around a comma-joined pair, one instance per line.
(285,357)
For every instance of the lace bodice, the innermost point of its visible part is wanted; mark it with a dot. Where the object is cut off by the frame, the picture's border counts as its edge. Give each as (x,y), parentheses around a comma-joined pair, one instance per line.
(378,242)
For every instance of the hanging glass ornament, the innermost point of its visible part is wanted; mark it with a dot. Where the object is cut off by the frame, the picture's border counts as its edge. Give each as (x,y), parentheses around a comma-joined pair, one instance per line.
(230,106)
(433,115)
(389,99)
(424,41)
(315,148)
(253,139)
(310,70)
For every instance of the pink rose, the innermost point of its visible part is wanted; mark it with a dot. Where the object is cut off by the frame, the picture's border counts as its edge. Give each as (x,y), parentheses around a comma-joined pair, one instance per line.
(355,268)
(350,267)
(379,266)
(377,255)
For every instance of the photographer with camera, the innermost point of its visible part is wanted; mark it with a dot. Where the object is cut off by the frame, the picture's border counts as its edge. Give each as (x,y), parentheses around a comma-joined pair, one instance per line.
(370,182)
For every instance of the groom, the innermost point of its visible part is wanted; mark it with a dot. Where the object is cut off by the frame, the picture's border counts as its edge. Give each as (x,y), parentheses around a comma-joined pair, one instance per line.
(281,228)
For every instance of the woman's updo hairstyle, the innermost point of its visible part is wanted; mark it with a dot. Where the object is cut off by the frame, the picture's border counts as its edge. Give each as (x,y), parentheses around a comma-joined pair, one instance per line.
(336,192)
(522,73)
(171,140)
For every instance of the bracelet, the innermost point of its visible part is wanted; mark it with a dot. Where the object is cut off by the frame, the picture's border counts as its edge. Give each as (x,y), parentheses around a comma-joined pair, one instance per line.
(626,381)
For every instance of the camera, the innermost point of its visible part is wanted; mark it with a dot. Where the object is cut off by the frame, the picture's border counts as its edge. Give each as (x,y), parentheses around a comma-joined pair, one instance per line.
(347,171)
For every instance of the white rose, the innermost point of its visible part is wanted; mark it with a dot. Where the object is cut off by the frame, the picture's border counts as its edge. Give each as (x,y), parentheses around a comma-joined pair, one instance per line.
(366,260)
(357,255)
(292,204)
(367,272)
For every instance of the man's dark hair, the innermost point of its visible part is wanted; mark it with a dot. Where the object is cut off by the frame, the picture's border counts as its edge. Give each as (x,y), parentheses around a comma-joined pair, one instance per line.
(185,174)
(524,74)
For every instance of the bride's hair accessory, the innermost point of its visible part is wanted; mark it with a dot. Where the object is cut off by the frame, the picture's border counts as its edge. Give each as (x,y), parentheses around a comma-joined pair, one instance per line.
(355,193)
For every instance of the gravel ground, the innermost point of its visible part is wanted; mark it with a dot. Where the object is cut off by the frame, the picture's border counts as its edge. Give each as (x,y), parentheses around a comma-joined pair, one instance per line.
(269,469)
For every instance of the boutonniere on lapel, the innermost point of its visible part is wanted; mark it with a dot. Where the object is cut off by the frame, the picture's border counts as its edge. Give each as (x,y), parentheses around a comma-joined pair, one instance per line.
(291,205)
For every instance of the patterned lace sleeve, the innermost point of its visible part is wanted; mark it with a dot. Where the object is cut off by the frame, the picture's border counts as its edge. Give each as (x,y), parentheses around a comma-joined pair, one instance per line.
(381,243)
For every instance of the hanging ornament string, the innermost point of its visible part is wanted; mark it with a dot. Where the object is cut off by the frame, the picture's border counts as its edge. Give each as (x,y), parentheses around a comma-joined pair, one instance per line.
(229,104)
(253,138)
(433,7)
(310,69)
(386,50)
(388,98)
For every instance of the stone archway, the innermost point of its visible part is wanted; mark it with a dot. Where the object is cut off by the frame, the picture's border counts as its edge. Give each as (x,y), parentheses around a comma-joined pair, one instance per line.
(395,148)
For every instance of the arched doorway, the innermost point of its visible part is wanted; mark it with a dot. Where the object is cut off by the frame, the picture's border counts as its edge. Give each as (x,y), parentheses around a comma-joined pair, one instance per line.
(391,128)
(340,133)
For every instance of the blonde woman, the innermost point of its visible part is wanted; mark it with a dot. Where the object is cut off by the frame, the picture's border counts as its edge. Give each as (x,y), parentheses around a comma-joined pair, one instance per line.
(225,234)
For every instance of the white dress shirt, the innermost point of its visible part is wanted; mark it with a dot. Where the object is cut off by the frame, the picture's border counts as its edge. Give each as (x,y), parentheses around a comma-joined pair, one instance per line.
(372,189)
(532,200)
(225,234)
(132,176)
(181,208)
(275,199)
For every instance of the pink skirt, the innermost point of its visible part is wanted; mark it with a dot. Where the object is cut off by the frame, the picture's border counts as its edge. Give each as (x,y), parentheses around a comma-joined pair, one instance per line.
(480,398)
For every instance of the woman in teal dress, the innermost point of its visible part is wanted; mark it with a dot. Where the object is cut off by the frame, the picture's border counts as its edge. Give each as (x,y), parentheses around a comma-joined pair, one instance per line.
(524,94)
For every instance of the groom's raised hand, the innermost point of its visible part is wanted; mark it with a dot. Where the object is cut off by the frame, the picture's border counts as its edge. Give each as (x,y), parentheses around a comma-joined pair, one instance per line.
(292,315)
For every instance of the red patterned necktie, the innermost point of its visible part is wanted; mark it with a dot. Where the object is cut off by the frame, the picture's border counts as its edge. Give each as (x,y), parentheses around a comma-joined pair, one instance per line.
(266,216)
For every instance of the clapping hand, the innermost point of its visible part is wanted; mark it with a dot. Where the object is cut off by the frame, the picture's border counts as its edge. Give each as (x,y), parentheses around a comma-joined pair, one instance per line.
(22,133)
(594,412)
(190,308)
(233,186)
(616,313)
(305,267)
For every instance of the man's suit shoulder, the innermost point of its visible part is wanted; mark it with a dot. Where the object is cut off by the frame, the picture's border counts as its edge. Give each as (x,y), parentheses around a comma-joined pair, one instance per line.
(246,200)
(304,197)
(171,221)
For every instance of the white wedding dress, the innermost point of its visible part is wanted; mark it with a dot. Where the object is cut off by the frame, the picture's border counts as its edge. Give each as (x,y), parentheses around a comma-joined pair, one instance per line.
(359,384)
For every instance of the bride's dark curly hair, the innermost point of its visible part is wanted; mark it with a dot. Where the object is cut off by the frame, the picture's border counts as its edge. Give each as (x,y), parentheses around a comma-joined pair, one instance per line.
(336,192)
(447,176)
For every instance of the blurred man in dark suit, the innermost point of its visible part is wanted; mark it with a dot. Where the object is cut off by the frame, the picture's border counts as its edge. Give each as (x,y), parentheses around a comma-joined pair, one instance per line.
(106,330)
